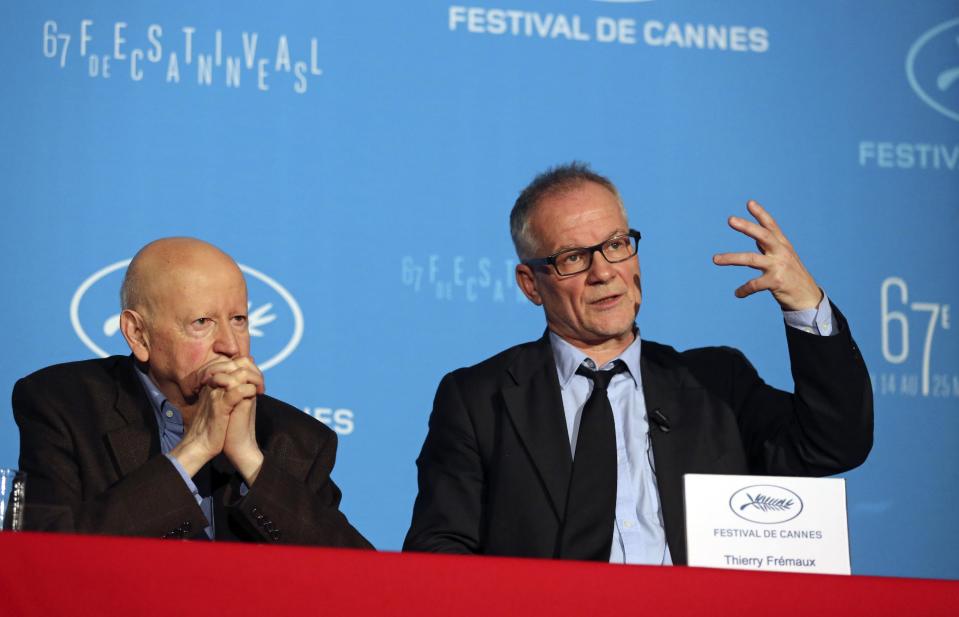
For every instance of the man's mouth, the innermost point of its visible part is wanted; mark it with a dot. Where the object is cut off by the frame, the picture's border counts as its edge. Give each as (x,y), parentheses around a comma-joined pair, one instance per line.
(607,301)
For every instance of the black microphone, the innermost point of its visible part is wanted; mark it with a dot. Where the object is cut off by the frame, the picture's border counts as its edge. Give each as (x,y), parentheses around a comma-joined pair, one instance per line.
(660,420)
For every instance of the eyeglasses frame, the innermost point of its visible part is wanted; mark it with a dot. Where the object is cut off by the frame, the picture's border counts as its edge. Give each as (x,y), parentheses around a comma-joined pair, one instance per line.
(590,250)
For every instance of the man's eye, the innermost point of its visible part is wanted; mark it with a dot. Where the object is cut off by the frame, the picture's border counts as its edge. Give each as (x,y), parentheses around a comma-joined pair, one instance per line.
(202,321)
(615,245)
(571,258)
(239,320)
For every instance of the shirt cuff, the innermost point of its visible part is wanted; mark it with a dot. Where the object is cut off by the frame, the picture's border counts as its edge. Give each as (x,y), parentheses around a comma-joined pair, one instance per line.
(186,478)
(812,320)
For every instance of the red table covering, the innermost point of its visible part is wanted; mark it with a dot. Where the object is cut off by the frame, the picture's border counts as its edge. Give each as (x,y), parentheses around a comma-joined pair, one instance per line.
(53,574)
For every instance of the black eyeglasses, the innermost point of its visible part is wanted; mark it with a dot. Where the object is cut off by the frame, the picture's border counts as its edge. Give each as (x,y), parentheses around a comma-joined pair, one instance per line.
(573,261)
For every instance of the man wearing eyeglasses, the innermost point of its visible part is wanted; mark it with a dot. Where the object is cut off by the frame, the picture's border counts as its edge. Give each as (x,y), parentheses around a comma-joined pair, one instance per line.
(574,446)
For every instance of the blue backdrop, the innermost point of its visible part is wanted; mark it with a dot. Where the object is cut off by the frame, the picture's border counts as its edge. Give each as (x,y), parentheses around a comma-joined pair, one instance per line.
(360,161)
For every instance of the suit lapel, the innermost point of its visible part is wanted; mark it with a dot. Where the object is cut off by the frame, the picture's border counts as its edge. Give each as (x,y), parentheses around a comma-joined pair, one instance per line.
(535,406)
(662,387)
(663,381)
(131,432)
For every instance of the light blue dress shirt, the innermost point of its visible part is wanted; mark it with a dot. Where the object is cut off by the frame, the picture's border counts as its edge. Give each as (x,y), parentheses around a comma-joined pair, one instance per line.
(170,423)
(639,536)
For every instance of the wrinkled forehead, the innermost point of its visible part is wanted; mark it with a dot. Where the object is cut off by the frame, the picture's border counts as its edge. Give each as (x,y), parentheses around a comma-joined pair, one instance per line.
(199,286)
(582,214)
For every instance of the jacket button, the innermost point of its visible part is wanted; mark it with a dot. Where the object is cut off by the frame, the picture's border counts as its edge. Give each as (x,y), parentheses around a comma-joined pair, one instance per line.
(275,534)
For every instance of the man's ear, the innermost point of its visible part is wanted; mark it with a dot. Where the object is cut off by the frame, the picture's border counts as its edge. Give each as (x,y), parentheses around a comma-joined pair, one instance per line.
(526,279)
(134,330)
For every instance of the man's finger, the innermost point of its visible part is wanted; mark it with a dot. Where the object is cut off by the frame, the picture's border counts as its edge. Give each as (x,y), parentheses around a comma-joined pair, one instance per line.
(764,238)
(253,377)
(243,369)
(245,362)
(224,380)
(239,393)
(251,372)
(751,260)
(750,287)
(250,376)
(206,372)
(766,219)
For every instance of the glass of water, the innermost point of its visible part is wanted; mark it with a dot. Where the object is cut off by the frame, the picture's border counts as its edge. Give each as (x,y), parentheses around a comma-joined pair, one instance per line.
(13,492)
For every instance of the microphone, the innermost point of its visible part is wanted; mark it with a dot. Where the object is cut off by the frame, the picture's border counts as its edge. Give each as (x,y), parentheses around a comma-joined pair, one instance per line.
(660,420)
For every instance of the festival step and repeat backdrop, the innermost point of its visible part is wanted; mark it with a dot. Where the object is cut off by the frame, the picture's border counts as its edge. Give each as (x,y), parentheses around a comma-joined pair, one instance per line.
(360,159)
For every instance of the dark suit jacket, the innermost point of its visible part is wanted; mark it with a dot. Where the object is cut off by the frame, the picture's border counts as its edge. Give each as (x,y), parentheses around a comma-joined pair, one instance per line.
(90,446)
(494,469)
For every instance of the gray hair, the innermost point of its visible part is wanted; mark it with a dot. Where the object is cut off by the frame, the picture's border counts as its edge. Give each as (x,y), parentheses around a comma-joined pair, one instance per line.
(130,289)
(553,180)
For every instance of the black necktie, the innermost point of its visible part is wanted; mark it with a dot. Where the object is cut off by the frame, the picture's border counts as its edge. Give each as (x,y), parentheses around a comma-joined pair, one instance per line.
(591,501)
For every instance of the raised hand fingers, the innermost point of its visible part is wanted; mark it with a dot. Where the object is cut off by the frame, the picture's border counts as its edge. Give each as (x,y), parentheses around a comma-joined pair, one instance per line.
(766,220)
(763,216)
(760,283)
(783,273)
(765,239)
(752,260)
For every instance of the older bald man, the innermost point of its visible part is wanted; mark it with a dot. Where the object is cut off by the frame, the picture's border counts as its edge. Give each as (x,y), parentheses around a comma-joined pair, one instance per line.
(177,440)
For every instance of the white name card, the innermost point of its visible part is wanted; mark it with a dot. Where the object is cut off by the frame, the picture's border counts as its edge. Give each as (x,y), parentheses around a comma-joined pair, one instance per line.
(767,523)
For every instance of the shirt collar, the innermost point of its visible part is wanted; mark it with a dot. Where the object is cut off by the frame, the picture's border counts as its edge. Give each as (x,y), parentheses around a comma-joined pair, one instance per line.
(568,358)
(166,414)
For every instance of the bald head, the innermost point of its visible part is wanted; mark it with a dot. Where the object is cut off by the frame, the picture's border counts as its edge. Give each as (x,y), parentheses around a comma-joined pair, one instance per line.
(184,307)
(159,267)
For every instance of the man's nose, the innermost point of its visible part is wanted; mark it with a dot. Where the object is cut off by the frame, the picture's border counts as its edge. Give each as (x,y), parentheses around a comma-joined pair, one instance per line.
(600,270)
(227,342)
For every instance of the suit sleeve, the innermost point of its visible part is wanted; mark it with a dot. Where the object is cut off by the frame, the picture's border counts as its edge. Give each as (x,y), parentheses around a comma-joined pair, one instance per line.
(826,426)
(152,500)
(448,509)
(294,501)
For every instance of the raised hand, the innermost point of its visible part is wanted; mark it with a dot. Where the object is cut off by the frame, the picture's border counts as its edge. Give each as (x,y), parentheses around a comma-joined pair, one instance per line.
(783,273)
